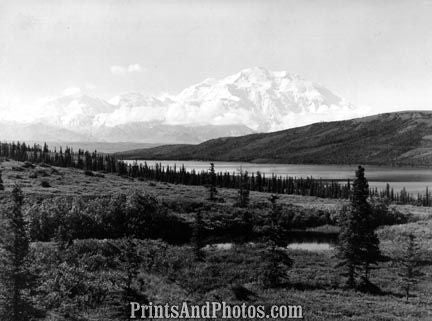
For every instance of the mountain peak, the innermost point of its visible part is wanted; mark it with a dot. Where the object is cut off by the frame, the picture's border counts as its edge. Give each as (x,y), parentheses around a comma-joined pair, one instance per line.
(257,74)
(254,98)
(260,99)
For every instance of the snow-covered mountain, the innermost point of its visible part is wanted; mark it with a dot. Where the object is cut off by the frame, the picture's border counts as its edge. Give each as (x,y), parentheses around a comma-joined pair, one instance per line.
(74,112)
(260,99)
(256,98)
(251,100)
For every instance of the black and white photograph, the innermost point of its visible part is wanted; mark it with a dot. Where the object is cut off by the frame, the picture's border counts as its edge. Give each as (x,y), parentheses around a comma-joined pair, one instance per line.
(216,160)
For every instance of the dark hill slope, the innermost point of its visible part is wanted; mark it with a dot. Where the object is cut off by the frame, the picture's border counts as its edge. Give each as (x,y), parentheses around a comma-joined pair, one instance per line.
(402,138)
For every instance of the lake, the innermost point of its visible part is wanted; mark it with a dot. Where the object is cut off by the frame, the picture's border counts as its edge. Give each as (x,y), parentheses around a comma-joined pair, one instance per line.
(415,180)
(311,246)
(301,246)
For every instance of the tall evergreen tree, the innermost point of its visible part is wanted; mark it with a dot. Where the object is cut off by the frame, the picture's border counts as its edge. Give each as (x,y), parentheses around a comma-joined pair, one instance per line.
(244,187)
(248,224)
(130,285)
(358,247)
(276,261)
(16,278)
(212,183)
(197,237)
(347,247)
(410,262)
(1,182)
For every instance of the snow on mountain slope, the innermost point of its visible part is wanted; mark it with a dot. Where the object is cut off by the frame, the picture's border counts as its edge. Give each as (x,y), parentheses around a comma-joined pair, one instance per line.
(76,112)
(253,99)
(257,98)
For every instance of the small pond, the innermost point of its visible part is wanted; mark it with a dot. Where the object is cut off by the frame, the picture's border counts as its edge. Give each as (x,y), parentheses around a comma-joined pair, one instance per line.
(306,246)
(296,240)
(311,246)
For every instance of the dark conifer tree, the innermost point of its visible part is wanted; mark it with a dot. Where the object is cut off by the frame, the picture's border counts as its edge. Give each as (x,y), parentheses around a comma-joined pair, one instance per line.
(197,237)
(276,261)
(130,285)
(248,224)
(358,247)
(369,242)
(410,262)
(1,182)
(244,187)
(212,183)
(16,278)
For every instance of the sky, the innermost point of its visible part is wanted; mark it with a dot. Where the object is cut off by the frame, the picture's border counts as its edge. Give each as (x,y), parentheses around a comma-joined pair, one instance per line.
(376,54)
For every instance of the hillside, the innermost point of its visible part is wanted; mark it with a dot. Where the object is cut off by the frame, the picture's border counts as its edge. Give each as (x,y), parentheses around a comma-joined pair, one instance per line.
(401,138)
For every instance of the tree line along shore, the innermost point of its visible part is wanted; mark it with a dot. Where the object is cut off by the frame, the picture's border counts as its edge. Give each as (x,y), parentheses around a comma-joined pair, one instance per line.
(108,163)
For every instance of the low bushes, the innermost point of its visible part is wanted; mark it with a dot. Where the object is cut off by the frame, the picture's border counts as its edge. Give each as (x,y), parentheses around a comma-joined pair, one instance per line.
(88,173)
(132,214)
(45,184)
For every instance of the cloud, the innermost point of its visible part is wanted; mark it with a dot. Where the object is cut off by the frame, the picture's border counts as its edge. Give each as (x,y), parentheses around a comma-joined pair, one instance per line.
(71,91)
(134,68)
(118,70)
(90,86)
(122,70)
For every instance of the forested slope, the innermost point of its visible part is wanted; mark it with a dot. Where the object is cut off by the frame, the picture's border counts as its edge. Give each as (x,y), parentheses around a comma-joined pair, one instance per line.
(402,138)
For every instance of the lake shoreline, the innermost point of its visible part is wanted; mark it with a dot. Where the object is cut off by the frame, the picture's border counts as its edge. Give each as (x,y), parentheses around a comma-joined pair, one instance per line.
(276,162)
(414,180)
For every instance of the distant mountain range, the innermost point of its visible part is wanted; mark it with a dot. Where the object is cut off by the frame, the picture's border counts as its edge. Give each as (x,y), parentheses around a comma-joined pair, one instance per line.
(253,100)
(400,138)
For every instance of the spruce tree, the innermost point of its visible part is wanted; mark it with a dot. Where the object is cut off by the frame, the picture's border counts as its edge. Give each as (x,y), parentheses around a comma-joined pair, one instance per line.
(1,182)
(130,285)
(276,261)
(244,187)
(212,183)
(248,224)
(347,247)
(369,242)
(410,265)
(197,237)
(358,247)
(16,278)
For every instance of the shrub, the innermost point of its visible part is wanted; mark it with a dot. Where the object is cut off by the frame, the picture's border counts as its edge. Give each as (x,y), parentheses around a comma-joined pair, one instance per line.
(55,171)
(297,217)
(382,215)
(88,173)
(28,165)
(134,214)
(42,173)
(45,184)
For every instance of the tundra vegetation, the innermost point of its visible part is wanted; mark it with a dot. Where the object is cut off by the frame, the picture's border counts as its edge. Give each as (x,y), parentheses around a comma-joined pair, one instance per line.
(87,244)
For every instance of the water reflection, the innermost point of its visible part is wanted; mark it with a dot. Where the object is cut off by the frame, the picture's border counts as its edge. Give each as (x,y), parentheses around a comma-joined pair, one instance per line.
(414,180)
(311,246)
(219,246)
(305,246)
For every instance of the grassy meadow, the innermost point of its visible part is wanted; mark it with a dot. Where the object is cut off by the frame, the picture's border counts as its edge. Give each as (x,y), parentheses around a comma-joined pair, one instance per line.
(82,279)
